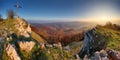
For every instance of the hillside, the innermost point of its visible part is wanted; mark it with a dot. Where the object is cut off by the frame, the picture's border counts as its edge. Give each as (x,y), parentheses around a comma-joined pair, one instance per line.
(37,37)
(112,37)
(99,39)
(18,42)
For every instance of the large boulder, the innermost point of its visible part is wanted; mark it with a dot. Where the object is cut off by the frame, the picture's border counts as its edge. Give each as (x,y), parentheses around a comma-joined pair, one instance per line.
(26,45)
(11,52)
(92,43)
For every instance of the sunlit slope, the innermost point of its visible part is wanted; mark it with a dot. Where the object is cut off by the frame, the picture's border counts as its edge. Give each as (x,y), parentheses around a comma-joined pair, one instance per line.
(112,37)
(19,27)
(37,37)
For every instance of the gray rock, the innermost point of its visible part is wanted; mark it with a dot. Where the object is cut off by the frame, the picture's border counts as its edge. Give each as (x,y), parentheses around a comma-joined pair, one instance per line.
(103,53)
(91,44)
(67,48)
(48,45)
(100,55)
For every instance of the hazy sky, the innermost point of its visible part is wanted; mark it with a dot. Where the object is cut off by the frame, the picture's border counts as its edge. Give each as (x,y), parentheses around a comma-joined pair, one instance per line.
(63,9)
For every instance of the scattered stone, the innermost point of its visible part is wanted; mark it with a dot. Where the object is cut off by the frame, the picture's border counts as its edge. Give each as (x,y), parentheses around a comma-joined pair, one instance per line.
(67,48)
(104,58)
(103,53)
(85,57)
(58,45)
(48,45)
(42,45)
(97,56)
(77,57)
(114,55)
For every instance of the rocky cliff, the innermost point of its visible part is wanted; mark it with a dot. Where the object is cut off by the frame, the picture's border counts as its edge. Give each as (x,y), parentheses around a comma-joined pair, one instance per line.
(11,32)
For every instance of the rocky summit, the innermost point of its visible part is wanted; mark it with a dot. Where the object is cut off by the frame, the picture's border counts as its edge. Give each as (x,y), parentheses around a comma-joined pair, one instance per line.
(19,42)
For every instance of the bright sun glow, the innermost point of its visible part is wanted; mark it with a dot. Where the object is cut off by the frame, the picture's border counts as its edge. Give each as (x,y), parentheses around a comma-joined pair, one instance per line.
(105,19)
(102,13)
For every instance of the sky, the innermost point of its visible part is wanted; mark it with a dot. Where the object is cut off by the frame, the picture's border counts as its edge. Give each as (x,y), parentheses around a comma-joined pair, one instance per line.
(63,9)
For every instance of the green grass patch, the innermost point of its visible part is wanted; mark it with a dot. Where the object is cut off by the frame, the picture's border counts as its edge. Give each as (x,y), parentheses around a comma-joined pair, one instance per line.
(112,37)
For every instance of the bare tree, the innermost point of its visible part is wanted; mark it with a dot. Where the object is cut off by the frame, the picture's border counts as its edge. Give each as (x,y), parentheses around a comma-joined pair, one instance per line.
(10,14)
(1,17)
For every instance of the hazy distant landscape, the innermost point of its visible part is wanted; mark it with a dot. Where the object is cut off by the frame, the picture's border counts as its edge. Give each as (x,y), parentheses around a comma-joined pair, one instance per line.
(64,30)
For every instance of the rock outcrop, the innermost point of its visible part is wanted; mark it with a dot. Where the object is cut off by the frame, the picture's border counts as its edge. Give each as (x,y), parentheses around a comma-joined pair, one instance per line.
(18,26)
(11,52)
(92,43)
(24,27)
(26,45)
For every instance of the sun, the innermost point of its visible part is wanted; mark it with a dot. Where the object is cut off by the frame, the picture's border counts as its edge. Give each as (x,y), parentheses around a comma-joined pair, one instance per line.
(105,19)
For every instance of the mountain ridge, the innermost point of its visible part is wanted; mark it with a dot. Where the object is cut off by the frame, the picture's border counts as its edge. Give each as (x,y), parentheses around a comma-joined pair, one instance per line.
(19,42)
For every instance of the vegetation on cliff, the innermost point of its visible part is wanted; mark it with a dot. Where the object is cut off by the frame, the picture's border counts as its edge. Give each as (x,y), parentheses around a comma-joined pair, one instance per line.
(105,37)
(17,39)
